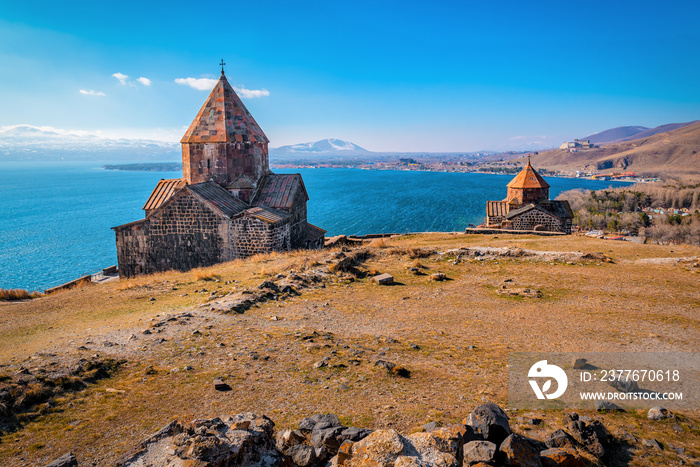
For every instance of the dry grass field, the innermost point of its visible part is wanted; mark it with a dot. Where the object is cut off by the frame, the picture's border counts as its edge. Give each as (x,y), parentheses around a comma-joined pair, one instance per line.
(462,331)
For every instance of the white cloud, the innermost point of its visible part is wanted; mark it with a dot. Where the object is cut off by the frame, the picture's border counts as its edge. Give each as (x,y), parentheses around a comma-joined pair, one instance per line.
(90,92)
(144,81)
(200,84)
(121,77)
(206,84)
(251,93)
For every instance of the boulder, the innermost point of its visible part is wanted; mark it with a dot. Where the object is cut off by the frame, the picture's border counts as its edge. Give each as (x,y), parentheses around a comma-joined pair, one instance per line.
(386,448)
(490,422)
(381,448)
(440,447)
(560,439)
(624,385)
(657,413)
(562,457)
(438,277)
(243,440)
(652,443)
(219,385)
(579,363)
(518,450)
(479,451)
(607,406)
(594,437)
(66,460)
(383,279)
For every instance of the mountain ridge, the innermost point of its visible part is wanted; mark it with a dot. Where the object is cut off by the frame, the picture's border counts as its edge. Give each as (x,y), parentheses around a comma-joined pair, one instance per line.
(669,154)
(324,147)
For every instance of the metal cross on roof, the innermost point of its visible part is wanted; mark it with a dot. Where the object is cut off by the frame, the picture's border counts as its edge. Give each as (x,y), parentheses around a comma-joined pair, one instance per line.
(222,66)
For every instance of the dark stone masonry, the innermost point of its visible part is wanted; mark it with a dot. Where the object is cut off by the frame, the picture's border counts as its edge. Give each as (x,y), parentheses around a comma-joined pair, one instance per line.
(527,206)
(228,205)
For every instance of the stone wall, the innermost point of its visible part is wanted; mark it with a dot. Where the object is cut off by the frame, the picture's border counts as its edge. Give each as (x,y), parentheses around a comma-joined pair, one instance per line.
(183,235)
(534,217)
(250,236)
(527,195)
(223,162)
(494,221)
(132,249)
(298,222)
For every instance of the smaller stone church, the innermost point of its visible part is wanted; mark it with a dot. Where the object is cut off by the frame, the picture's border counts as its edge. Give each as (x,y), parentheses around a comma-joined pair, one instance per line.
(527,206)
(227,205)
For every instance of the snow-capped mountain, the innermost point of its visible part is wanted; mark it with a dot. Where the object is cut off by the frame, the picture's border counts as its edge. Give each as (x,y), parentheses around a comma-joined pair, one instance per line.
(325,147)
(27,142)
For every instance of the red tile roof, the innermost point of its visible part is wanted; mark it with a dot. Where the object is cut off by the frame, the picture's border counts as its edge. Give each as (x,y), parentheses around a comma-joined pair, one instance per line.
(528,178)
(279,190)
(224,118)
(162,192)
(225,202)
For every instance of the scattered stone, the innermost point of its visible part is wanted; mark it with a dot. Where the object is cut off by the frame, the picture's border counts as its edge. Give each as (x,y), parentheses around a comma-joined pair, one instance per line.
(522,451)
(414,346)
(607,406)
(479,451)
(624,385)
(146,331)
(579,363)
(657,413)
(322,363)
(526,292)
(219,385)
(471,347)
(560,439)
(66,460)
(652,443)
(152,299)
(678,450)
(438,277)
(230,441)
(393,369)
(430,426)
(489,421)
(594,436)
(383,279)
(562,457)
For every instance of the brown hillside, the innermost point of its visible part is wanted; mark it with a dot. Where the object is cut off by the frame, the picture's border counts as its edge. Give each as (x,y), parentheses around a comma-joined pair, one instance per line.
(674,153)
(317,352)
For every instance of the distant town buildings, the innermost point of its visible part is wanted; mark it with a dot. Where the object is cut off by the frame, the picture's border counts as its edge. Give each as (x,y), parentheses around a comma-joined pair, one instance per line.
(527,206)
(577,144)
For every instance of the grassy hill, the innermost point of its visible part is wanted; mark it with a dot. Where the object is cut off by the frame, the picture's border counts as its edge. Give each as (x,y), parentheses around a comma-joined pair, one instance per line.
(454,336)
(674,153)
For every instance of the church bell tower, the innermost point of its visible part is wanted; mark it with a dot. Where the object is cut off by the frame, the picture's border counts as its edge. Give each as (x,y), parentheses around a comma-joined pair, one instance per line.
(225,144)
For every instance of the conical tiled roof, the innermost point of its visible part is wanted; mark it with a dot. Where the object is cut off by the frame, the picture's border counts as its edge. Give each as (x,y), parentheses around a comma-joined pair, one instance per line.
(528,178)
(224,119)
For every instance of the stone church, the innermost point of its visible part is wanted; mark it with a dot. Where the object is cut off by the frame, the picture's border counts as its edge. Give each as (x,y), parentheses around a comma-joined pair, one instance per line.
(527,206)
(227,205)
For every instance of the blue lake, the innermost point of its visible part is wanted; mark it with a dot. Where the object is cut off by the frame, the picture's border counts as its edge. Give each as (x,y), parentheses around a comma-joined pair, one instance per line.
(55,217)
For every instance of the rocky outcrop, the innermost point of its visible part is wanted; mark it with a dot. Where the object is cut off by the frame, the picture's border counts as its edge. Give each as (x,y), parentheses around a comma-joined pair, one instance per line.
(27,393)
(484,439)
(244,440)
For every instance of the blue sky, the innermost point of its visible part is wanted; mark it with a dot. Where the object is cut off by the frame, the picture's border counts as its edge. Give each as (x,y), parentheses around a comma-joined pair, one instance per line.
(387,75)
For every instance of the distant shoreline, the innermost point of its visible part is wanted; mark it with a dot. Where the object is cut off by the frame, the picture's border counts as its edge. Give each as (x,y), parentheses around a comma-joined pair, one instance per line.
(147,167)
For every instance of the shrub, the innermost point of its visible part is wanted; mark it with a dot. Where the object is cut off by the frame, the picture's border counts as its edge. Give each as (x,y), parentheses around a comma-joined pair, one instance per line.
(8,295)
